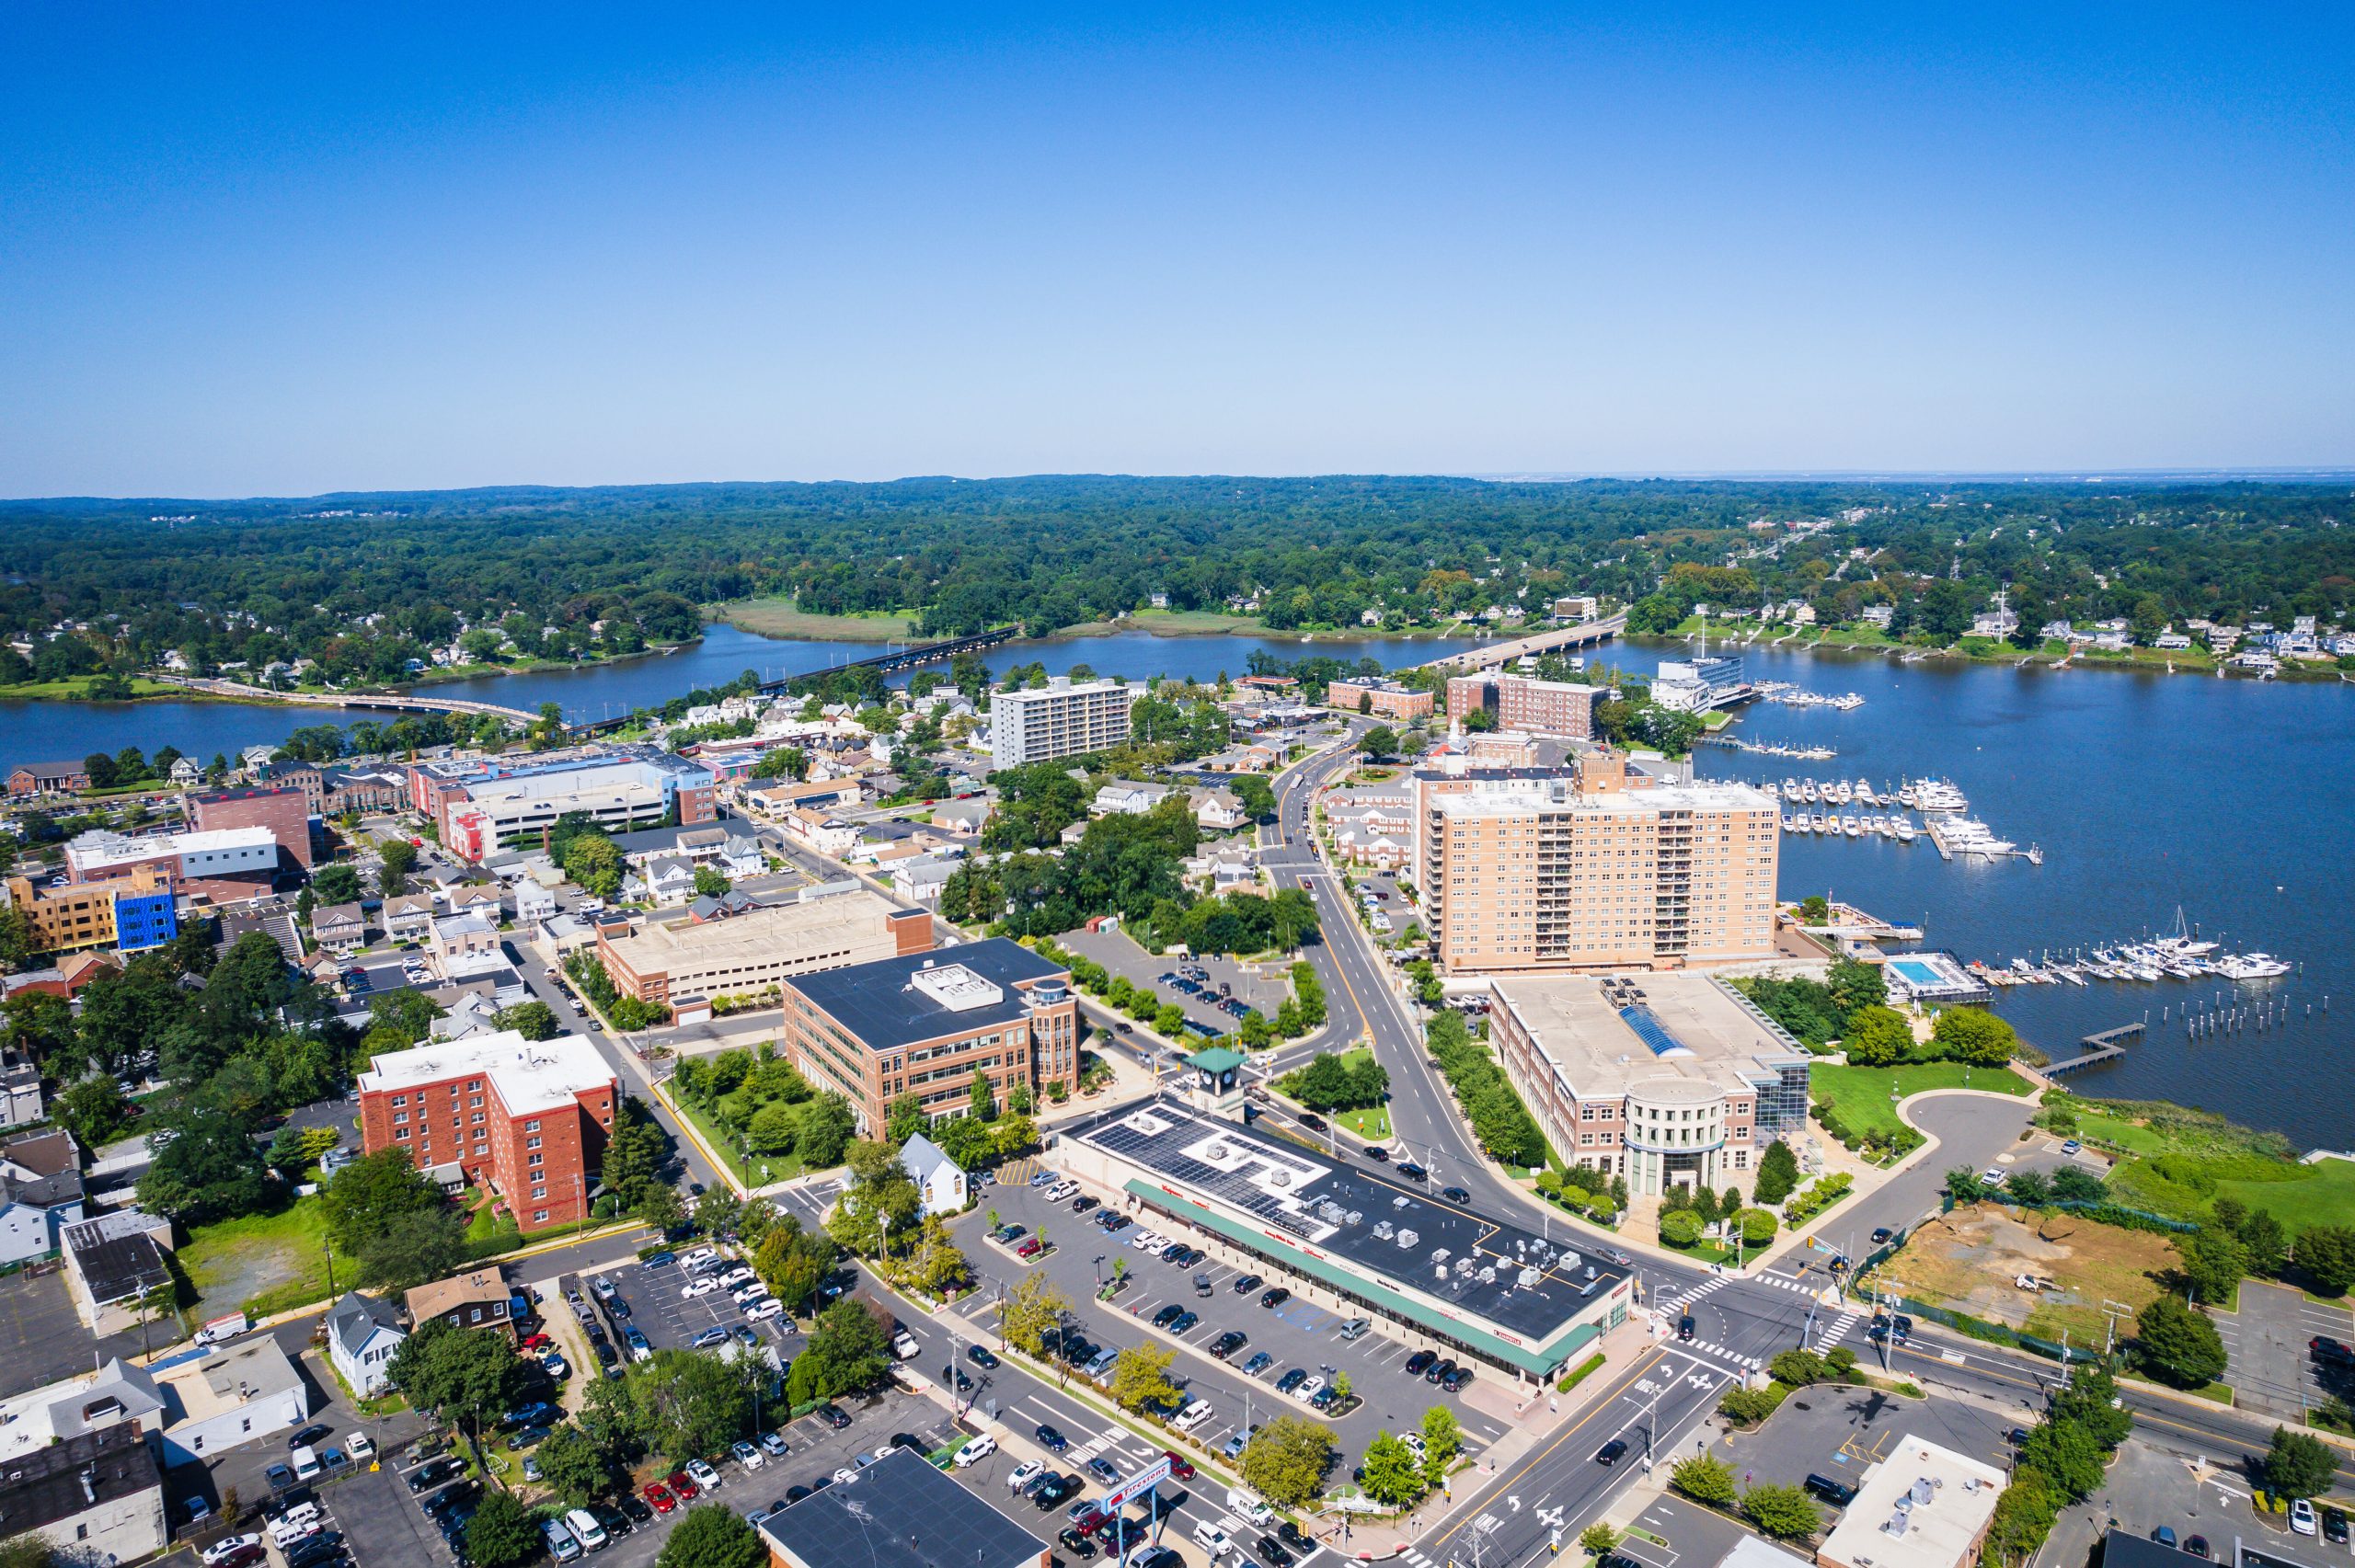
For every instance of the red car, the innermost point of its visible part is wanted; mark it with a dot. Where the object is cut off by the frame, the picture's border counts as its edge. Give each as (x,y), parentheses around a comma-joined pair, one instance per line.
(657,1493)
(677,1481)
(1030,1247)
(1180,1467)
(244,1557)
(537,1341)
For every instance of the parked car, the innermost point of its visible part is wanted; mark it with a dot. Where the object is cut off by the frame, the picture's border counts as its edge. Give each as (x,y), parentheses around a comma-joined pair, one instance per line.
(659,1495)
(1245,1284)
(1275,1298)
(1420,1362)
(1228,1344)
(1261,1361)
(2302,1517)
(982,1357)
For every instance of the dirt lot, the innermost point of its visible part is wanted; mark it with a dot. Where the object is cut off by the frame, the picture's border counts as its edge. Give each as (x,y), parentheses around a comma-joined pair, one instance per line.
(1973,1260)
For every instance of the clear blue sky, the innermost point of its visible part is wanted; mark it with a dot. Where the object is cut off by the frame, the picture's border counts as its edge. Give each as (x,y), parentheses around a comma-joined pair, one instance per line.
(323,247)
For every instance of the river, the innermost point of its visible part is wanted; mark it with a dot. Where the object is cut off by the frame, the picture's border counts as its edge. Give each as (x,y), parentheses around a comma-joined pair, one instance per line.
(2227,797)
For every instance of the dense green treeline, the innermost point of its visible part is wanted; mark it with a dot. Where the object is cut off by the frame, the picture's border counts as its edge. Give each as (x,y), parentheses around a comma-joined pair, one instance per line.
(567,573)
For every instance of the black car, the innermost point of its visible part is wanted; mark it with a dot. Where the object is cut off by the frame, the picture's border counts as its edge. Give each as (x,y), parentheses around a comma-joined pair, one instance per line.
(1292,1536)
(908,1440)
(1228,1344)
(1275,1298)
(1168,1315)
(1684,1326)
(2334,1526)
(1881,1233)
(1312,1121)
(450,1498)
(1082,1204)
(1248,1284)
(1456,1377)
(311,1434)
(1056,1492)
(1413,1171)
(1192,1256)
(796,1493)
(618,1308)
(1438,1369)
(612,1520)
(1186,1322)
(1379,1155)
(1078,1545)
(832,1414)
(1052,1440)
(634,1507)
(1839,1494)
(1420,1362)
(980,1356)
(1457,1197)
(2322,1348)
(1612,1452)
(1173,1253)
(1272,1551)
(433,1472)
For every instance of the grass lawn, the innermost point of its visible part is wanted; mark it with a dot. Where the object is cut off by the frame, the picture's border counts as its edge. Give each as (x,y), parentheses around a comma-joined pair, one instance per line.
(1970,1260)
(2326,1197)
(1861,1094)
(782,618)
(764,1168)
(263,1264)
(2132,1137)
(1372,1122)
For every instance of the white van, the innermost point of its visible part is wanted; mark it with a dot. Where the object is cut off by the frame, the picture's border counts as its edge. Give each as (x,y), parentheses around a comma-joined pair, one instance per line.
(903,1346)
(585,1528)
(1212,1539)
(561,1546)
(305,1461)
(1193,1415)
(1244,1505)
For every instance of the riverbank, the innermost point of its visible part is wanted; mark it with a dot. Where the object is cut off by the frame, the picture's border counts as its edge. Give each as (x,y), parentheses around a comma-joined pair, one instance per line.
(444,674)
(77,689)
(2051,655)
(782,618)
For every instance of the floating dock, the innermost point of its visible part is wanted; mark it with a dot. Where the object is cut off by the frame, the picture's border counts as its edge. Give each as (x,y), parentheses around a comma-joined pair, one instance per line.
(2105,1047)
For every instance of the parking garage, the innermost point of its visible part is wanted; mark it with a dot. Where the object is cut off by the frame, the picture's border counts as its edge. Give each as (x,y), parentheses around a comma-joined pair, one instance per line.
(1505,1297)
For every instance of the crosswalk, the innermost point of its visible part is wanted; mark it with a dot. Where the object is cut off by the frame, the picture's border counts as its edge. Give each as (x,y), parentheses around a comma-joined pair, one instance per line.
(1410,1555)
(1837,1330)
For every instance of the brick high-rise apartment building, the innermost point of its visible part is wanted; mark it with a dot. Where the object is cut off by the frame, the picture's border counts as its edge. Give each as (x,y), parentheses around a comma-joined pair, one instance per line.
(1525,871)
(1518,702)
(1383,699)
(531,1117)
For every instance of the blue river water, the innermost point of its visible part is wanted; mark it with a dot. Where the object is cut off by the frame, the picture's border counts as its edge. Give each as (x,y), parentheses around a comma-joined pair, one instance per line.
(2234,800)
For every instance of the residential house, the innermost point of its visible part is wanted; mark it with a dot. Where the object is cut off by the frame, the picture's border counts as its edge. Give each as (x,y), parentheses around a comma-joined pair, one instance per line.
(251,1391)
(2171,641)
(1217,809)
(670,881)
(118,1395)
(1129,796)
(533,902)
(827,835)
(362,1334)
(474,1299)
(20,1096)
(741,856)
(95,1497)
(920,878)
(462,943)
(476,898)
(2059,631)
(112,1264)
(1879,615)
(939,1180)
(185,773)
(407,917)
(339,928)
(963,819)
(41,1194)
(47,778)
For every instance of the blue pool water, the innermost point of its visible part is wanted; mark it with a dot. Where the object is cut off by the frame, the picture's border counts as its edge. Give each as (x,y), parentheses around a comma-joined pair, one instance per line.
(1915,970)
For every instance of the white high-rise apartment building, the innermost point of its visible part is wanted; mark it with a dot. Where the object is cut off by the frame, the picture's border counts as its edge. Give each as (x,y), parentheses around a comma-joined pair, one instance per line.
(1058,720)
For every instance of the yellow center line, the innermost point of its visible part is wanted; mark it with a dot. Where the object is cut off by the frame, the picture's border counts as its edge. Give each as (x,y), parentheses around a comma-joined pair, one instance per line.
(1532,1462)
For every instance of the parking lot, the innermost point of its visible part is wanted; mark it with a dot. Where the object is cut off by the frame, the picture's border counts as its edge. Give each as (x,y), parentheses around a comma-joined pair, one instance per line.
(43,1339)
(2266,1341)
(1296,1334)
(671,1321)
(1839,1431)
(1265,989)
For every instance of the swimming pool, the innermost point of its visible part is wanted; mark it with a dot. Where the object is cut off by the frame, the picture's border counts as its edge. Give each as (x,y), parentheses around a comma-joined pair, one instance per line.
(1913,969)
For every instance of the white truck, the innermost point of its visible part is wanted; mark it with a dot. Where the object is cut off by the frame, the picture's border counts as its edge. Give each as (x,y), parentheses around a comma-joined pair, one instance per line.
(904,1346)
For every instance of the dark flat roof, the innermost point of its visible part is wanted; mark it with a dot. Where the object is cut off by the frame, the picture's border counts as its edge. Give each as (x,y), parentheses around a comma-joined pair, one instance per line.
(900,1513)
(875,1002)
(118,1267)
(49,1488)
(1311,1200)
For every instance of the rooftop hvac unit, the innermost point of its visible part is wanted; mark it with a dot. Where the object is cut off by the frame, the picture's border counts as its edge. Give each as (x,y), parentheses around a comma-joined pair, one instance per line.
(1441,1254)
(1398,1202)
(1382,1230)
(1439,1272)
(1216,1151)
(1357,1217)
(1520,1247)
(1896,1525)
(1589,1271)
(1487,1277)
(1407,1238)
(1570,1259)
(1463,1267)
(1280,1178)
(1921,1492)
(1529,1278)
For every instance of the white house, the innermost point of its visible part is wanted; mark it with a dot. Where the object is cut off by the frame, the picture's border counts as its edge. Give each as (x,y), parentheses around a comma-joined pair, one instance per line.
(1129,795)
(362,1334)
(670,881)
(534,903)
(920,878)
(1217,808)
(230,1398)
(939,1179)
(41,1194)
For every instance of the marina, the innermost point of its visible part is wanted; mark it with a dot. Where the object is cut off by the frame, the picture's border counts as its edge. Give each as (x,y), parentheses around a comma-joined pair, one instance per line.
(1783,693)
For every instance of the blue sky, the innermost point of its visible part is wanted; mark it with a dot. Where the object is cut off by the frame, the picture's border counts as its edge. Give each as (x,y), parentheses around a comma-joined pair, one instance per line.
(300,249)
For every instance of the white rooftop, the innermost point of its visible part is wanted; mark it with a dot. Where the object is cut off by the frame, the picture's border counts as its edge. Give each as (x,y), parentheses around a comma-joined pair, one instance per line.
(531,1075)
(957,988)
(1924,1506)
(99,847)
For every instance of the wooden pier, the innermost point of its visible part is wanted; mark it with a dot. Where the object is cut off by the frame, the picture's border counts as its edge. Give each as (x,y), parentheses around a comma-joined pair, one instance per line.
(2108,1045)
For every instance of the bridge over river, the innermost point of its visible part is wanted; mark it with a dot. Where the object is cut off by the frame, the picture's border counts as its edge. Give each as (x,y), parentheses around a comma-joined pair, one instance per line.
(1586,633)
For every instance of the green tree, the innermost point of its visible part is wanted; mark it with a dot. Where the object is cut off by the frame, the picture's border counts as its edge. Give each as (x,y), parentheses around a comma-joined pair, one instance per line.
(1878,1037)
(1974,1034)
(1140,1377)
(711,882)
(793,1262)
(209,1171)
(1797,1369)
(1680,1228)
(982,1097)
(1705,1478)
(1031,1307)
(2179,1344)
(1381,742)
(2023,1518)
(693,1405)
(2089,1401)
(1392,1475)
(408,1250)
(2212,1262)
(463,1375)
(533,1020)
(2067,1456)
(1598,1539)
(712,1534)
(1286,1462)
(1963,1186)
(1778,1172)
(2325,1254)
(573,1466)
(2265,1242)
(2298,1465)
(1782,1511)
(851,1346)
(827,1123)
(503,1533)
(1442,1440)
(398,858)
(591,861)
(337,884)
(374,1190)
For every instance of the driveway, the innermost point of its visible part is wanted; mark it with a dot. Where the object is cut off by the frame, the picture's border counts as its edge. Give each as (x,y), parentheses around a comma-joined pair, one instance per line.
(1971,1129)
